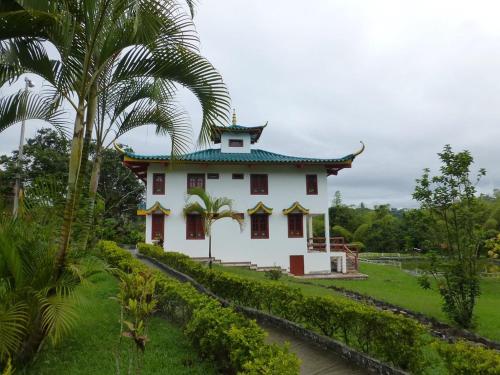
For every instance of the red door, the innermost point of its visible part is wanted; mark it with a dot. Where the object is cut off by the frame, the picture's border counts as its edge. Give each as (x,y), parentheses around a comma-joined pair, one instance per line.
(158,226)
(297,265)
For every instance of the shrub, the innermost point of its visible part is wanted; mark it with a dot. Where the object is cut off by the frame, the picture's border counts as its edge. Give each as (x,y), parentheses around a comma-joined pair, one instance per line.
(463,358)
(273,274)
(271,360)
(389,337)
(234,343)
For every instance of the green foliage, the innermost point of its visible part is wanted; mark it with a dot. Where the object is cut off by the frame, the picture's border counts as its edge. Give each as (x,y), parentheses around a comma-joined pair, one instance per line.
(211,209)
(273,274)
(493,247)
(271,360)
(92,346)
(389,337)
(451,197)
(339,231)
(218,333)
(34,304)
(463,358)
(45,157)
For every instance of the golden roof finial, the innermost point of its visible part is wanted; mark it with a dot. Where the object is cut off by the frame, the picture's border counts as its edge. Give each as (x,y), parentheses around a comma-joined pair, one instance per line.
(234,116)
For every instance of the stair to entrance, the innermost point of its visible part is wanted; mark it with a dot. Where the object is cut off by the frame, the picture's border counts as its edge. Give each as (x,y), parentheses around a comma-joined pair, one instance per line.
(248,265)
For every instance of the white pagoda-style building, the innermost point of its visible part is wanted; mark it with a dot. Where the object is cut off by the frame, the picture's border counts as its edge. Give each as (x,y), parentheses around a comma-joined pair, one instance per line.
(278,197)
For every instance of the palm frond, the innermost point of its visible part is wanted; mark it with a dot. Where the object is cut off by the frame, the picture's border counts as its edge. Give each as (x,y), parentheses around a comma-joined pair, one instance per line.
(186,68)
(194,207)
(13,321)
(29,106)
(203,196)
(58,317)
(231,215)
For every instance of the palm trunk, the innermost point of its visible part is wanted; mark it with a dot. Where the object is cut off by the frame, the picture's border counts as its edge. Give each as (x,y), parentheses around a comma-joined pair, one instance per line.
(73,172)
(210,251)
(94,183)
(89,126)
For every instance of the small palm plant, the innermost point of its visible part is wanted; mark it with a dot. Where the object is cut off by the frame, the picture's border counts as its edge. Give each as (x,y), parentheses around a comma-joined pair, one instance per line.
(211,209)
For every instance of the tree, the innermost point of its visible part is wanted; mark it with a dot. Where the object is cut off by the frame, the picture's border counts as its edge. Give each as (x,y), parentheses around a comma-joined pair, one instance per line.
(45,155)
(419,228)
(151,39)
(125,106)
(46,161)
(451,196)
(211,209)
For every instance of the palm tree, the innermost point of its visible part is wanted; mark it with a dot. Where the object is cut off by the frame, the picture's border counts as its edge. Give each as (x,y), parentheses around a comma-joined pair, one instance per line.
(126,107)
(123,38)
(211,209)
(34,305)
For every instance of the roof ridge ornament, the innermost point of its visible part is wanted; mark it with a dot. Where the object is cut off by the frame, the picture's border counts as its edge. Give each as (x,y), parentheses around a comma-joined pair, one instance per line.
(234,117)
(360,150)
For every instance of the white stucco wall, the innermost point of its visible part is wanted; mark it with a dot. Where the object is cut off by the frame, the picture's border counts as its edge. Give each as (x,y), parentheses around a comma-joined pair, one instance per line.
(245,137)
(286,184)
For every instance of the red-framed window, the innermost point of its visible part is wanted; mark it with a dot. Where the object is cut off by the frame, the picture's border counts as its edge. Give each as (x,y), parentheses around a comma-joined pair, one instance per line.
(312,184)
(194,227)
(158,183)
(295,225)
(195,180)
(260,226)
(236,143)
(258,184)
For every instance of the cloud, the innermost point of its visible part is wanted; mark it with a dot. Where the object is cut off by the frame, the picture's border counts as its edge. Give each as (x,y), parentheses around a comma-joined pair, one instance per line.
(405,77)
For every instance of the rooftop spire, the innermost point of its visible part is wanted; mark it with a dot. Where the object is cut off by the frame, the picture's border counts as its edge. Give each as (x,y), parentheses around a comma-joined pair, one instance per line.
(234,116)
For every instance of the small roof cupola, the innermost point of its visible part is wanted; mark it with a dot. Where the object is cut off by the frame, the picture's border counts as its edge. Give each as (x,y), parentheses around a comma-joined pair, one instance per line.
(237,138)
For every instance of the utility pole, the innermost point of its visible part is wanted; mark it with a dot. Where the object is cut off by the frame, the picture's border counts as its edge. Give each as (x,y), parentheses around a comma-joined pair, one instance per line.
(18,187)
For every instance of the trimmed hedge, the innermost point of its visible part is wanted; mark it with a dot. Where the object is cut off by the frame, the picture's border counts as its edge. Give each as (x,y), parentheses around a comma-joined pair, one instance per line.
(463,358)
(234,343)
(389,337)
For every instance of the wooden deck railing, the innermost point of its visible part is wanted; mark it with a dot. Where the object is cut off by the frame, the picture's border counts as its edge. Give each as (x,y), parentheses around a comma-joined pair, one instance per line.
(318,244)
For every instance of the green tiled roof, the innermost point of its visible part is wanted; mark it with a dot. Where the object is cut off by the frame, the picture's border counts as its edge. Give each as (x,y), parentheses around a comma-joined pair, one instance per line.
(255,156)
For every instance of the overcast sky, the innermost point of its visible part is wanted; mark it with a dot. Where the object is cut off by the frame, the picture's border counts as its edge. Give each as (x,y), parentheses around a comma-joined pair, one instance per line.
(405,77)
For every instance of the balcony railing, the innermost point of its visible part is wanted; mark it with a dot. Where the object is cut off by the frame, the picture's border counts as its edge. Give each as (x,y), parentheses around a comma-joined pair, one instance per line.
(318,244)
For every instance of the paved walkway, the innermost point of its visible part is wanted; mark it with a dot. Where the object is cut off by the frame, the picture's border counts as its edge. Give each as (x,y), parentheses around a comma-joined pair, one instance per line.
(315,361)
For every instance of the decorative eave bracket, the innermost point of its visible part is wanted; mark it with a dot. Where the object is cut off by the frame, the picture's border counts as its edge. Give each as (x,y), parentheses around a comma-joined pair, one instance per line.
(260,208)
(295,207)
(155,207)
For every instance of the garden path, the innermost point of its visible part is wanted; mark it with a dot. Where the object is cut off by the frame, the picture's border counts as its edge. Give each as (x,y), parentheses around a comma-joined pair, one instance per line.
(314,360)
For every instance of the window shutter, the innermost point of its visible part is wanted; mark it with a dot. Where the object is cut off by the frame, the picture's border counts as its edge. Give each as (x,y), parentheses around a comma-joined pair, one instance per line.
(158,183)
(311,184)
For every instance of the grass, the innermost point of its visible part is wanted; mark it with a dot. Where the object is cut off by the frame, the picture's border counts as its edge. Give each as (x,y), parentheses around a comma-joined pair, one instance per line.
(391,284)
(93,345)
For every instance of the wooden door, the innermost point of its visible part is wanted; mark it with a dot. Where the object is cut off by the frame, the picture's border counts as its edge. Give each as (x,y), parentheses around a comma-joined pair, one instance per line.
(158,226)
(297,265)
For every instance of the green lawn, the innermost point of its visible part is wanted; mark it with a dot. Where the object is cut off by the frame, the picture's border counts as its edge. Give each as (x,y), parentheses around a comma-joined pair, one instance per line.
(393,285)
(93,345)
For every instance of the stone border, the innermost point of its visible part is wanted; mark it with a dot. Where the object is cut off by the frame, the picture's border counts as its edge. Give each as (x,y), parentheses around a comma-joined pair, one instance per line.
(438,329)
(360,359)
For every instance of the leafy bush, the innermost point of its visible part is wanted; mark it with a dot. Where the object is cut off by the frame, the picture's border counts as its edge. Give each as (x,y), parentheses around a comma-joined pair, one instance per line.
(273,274)
(387,336)
(37,301)
(340,231)
(234,343)
(463,358)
